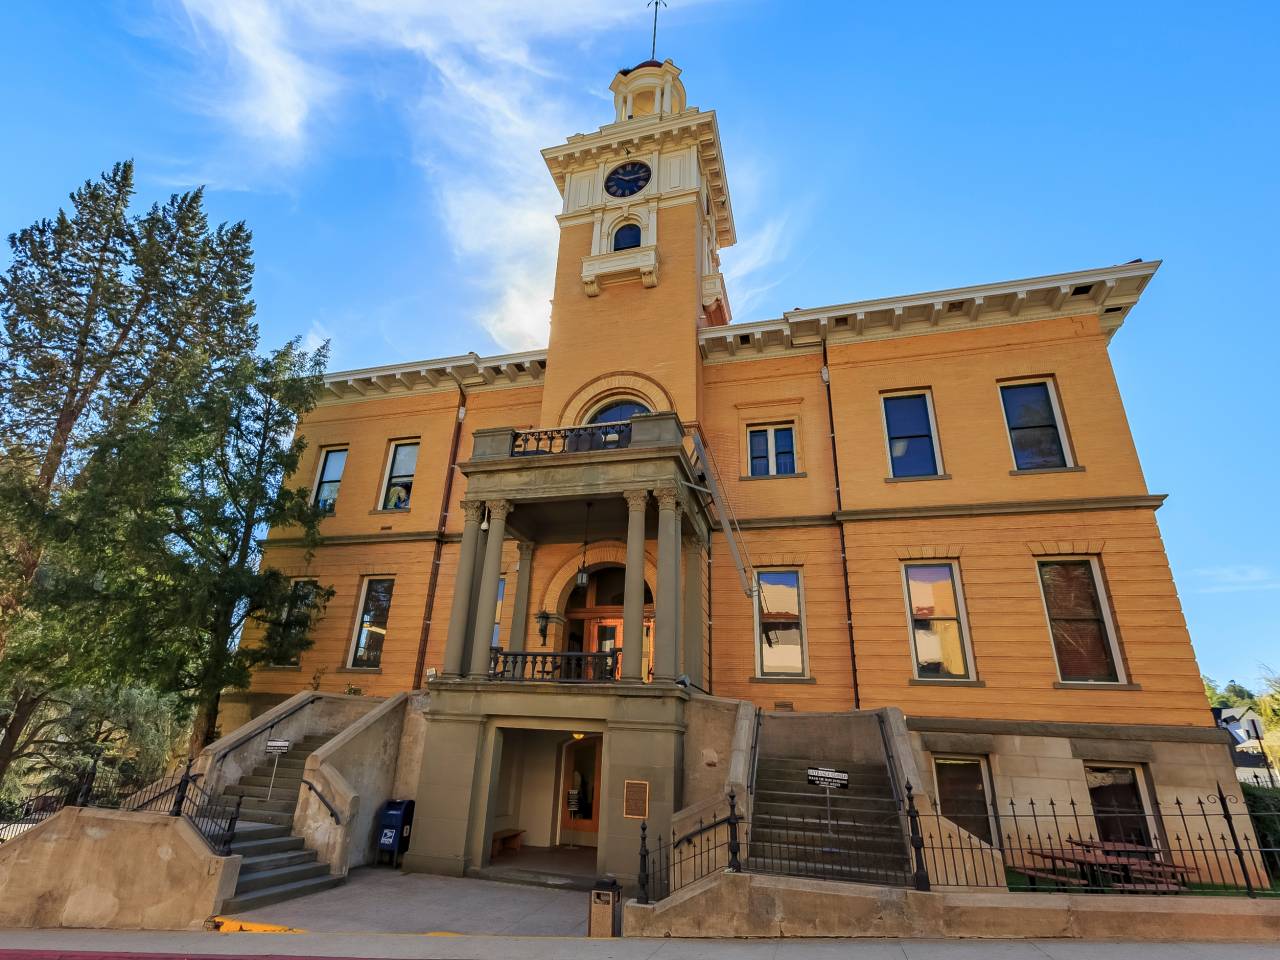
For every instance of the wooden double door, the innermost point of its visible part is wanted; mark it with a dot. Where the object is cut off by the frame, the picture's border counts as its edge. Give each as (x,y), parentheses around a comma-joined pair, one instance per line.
(603,633)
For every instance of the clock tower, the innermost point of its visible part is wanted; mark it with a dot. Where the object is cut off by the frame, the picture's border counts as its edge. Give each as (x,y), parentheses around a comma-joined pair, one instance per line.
(645,214)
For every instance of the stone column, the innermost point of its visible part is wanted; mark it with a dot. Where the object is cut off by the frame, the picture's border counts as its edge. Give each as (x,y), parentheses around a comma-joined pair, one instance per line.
(691,634)
(520,603)
(487,599)
(633,588)
(456,644)
(667,603)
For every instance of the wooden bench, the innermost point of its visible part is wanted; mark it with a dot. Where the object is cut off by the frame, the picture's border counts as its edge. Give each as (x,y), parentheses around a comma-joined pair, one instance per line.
(511,840)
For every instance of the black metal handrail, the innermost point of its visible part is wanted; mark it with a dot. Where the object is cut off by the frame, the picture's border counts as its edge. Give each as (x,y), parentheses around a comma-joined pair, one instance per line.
(890,761)
(755,752)
(36,809)
(561,667)
(180,795)
(243,736)
(690,856)
(333,811)
(596,436)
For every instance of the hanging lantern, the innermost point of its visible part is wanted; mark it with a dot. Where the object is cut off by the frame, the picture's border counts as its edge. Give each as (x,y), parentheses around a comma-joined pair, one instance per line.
(583,577)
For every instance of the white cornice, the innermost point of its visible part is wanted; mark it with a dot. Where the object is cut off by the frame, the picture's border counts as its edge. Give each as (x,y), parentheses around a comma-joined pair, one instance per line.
(1111,292)
(468,370)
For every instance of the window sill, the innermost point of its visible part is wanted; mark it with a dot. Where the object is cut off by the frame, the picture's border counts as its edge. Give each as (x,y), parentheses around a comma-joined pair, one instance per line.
(940,682)
(359,670)
(1024,473)
(777,476)
(1094,685)
(931,476)
(384,513)
(281,666)
(782,680)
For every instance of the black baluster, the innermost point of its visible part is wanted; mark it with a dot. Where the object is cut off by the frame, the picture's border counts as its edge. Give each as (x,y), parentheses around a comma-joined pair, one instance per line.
(180,795)
(644,862)
(917,841)
(1235,842)
(734,848)
(231,826)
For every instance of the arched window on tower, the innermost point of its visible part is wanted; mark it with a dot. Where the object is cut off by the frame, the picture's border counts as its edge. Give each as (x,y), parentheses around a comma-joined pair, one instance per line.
(626,237)
(618,412)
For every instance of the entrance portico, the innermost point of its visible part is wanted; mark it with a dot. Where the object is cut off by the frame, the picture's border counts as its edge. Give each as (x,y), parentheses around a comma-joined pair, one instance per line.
(604,508)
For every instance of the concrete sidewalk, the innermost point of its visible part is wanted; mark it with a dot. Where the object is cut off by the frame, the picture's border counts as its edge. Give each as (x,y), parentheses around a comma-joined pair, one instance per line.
(103,943)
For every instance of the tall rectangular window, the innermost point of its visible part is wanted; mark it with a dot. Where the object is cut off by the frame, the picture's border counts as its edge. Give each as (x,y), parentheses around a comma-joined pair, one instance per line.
(780,631)
(772,450)
(404,461)
(937,622)
(962,794)
(913,444)
(330,479)
(296,613)
(371,629)
(497,612)
(1035,425)
(1079,622)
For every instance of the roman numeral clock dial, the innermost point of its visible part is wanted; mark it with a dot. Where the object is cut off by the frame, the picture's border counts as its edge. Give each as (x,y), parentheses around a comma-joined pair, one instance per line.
(628,179)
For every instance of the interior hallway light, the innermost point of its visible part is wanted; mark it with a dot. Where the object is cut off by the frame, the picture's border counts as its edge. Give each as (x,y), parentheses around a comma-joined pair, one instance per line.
(578,736)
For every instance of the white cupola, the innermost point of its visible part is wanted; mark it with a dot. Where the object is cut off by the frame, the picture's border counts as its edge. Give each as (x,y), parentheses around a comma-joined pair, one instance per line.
(648,89)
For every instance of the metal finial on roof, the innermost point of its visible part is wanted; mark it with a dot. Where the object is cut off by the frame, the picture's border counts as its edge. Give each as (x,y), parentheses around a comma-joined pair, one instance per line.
(653,50)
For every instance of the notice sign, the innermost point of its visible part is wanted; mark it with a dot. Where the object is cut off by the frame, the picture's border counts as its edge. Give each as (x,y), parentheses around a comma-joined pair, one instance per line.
(827,777)
(277,746)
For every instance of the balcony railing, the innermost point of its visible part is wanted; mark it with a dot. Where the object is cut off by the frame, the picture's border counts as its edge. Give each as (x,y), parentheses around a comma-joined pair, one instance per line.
(599,436)
(554,667)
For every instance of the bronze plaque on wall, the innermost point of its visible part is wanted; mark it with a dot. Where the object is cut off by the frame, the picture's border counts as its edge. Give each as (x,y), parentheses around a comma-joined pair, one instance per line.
(635,799)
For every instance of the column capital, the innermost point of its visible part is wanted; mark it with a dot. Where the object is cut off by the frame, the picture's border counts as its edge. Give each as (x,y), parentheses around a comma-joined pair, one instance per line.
(498,509)
(473,510)
(636,499)
(691,538)
(526,548)
(668,497)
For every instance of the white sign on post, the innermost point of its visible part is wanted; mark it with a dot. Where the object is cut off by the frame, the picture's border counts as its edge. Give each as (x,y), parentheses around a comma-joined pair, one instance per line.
(274,749)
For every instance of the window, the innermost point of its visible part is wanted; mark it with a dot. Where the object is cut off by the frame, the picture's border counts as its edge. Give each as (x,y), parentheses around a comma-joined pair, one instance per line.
(913,445)
(404,460)
(371,629)
(618,412)
(331,465)
(1119,807)
(937,621)
(626,237)
(297,618)
(780,625)
(1079,622)
(772,450)
(1035,425)
(497,611)
(963,797)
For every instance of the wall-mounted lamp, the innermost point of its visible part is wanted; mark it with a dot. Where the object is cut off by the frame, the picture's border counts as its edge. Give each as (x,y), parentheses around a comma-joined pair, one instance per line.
(583,578)
(543,618)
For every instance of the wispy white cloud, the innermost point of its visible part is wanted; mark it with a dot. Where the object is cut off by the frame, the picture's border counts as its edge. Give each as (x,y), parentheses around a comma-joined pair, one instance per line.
(1239,578)
(488,99)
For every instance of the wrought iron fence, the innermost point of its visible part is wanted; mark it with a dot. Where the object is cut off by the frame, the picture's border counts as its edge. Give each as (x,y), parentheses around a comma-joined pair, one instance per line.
(671,863)
(35,808)
(1263,777)
(602,436)
(180,795)
(1205,845)
(599,667)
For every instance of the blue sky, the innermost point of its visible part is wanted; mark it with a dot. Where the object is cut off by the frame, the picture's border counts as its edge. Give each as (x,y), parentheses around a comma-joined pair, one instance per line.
(385,154)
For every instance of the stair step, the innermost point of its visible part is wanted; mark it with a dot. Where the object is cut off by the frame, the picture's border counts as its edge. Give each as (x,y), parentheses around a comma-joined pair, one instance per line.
(284,779)
(266,846)
(280,876)
(799,763)
(286,763)
(276,860)
(251,805)
(285,891)
(794,867)
(268,817)
(248,828)
(280,791)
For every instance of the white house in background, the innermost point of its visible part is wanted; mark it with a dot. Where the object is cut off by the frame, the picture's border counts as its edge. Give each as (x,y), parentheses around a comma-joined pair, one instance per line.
(1251,760)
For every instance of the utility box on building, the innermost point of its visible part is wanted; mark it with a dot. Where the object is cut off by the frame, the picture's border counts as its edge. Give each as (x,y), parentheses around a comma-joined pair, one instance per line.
(393,830)
(604,917)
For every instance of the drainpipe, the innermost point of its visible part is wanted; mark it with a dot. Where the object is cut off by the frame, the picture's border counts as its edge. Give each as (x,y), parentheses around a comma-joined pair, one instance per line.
(844,558)
(439,544)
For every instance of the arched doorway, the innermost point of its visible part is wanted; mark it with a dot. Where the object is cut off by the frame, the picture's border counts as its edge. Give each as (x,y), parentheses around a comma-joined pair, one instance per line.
(593,616)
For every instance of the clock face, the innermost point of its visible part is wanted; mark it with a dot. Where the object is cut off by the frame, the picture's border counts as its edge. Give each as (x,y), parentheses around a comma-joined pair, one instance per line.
(628,179)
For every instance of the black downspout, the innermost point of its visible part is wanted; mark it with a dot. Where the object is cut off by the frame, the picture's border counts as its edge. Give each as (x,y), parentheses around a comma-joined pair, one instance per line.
(459,416)
(844,558)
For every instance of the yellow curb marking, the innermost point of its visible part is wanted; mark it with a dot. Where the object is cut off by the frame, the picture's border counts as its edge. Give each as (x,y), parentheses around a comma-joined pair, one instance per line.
(231,925)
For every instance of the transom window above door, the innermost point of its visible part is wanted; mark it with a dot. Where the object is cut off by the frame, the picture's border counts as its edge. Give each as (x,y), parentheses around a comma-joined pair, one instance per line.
(618,412)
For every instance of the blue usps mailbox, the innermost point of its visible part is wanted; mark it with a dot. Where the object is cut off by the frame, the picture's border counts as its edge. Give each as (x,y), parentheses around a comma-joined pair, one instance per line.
(393,830)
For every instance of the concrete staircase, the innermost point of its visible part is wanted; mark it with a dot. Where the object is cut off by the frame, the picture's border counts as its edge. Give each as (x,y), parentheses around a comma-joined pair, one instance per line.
(276,864)
(802,830)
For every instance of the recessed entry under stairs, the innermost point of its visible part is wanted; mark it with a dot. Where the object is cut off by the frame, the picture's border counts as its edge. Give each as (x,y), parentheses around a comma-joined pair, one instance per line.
(568,868)
(802,829)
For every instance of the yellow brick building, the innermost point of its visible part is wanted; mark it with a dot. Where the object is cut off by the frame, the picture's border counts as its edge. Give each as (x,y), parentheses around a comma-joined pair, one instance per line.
(580,557)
